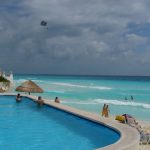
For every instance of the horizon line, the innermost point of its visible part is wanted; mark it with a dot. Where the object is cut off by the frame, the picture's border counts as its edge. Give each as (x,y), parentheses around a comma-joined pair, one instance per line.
(49,74)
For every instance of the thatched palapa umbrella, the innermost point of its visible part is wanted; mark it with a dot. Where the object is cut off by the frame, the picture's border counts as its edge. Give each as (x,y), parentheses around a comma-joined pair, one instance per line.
(30,87)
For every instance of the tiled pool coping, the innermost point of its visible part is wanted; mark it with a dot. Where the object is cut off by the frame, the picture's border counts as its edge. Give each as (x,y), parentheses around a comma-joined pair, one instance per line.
(129,136)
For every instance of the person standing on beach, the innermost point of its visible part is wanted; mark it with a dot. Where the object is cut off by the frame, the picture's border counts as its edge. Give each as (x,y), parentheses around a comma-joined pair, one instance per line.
(103,110)
(107,111)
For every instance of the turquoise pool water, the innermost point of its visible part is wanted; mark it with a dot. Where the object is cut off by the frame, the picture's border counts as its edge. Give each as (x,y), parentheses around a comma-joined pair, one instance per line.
(26,126)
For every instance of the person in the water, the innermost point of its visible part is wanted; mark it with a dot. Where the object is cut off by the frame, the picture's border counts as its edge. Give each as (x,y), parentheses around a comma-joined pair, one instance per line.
(131,97)
(18,98)
(40,102)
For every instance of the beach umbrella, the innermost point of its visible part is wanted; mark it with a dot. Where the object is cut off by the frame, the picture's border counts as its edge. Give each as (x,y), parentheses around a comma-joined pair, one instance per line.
(30,87)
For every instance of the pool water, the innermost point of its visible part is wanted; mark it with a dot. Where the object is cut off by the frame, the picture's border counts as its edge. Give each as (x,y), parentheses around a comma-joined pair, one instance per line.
(26,126)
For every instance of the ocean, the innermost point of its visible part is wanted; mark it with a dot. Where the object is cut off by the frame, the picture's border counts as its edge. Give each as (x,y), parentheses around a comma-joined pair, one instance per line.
(89,93)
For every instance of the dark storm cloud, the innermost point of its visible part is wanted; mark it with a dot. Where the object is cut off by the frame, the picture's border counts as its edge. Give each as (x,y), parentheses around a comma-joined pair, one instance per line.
(81,37)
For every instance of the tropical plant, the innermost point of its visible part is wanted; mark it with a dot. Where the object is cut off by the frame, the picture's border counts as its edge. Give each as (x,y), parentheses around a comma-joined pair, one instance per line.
(3,79)
(4,83)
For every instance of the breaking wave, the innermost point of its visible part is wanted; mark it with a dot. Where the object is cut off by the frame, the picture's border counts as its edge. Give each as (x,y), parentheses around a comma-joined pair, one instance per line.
(33,79)
(113,102)
(123,103)
(54,91)
(82,86)
(79,102)
(20,81)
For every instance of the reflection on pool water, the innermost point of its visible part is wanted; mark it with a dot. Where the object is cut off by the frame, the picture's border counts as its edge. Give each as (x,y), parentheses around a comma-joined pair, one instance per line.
(26,126)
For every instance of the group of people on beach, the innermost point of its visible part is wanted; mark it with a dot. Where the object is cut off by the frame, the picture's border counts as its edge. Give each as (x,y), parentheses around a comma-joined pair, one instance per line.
(105,111)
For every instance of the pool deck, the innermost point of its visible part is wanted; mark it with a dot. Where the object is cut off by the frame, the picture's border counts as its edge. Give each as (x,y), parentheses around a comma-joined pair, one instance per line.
(129,136)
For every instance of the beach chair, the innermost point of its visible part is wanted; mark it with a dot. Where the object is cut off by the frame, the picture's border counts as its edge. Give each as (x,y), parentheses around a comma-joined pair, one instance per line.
(144,138)
(148,138)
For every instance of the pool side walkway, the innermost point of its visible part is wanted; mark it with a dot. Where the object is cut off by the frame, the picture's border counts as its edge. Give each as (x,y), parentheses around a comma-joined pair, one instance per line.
(129,136)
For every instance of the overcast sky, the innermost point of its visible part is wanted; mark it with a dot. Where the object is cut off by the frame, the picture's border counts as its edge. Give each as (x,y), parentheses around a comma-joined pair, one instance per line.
(99,37)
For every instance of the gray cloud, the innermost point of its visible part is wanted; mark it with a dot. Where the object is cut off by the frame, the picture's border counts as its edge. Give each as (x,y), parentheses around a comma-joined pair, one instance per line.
(82,36)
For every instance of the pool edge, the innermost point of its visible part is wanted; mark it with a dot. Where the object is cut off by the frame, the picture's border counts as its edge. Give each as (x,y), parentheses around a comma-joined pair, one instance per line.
(129,139)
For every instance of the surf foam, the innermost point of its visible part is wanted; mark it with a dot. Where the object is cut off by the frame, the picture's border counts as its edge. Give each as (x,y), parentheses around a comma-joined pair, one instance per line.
(124,103)
(113,102)
(82,86)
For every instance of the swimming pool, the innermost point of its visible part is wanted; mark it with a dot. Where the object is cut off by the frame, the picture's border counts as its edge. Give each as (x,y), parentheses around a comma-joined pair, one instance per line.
(29,127)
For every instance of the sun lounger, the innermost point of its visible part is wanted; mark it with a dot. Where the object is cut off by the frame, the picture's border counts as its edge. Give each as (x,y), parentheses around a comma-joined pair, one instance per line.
(144,138)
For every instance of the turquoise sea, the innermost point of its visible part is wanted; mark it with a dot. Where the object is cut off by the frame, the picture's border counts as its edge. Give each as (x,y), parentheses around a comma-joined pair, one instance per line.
(91,92)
